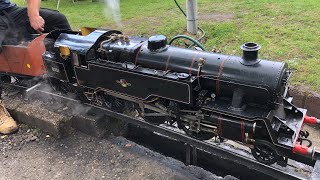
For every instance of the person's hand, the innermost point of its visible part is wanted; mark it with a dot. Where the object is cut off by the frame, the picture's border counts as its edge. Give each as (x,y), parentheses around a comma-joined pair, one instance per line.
(37,23)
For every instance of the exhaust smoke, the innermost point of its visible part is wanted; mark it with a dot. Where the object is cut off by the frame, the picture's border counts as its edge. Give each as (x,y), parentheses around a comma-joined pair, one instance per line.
(112,9)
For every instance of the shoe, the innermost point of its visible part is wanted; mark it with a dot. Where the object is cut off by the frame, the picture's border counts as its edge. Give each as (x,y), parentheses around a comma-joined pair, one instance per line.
(7,123)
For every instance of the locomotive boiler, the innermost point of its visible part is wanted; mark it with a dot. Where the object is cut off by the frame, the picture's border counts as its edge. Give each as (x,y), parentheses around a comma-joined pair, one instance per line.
(206,94)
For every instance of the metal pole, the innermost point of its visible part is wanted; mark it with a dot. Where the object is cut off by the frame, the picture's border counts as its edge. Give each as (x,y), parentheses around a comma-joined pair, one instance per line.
(192,10)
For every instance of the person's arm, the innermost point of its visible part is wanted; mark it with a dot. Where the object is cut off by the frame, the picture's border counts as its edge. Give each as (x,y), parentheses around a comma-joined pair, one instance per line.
(36,21)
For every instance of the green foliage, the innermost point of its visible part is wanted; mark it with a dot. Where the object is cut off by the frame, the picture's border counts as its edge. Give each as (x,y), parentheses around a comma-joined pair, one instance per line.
(287,30)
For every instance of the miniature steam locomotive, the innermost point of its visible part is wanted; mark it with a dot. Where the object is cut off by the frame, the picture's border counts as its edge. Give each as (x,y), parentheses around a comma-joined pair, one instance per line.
(208,95)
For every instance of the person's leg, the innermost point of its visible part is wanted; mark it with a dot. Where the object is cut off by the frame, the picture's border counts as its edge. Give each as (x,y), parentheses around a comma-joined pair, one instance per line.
(4,26)
(54,20)
(19,24)
(15,31)
(7,123)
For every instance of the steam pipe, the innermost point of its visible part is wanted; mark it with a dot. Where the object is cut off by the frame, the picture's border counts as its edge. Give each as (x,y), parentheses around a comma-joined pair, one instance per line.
(189,38)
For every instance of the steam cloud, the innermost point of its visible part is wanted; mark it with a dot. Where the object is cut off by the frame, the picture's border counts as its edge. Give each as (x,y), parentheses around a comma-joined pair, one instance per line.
(51,102)
(112,9)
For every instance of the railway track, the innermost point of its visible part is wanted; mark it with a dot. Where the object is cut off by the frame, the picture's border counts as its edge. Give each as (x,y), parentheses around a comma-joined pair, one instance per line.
(194,148)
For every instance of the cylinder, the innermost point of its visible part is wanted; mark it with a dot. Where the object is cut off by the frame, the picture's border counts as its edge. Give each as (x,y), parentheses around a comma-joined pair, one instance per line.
(234,128)
(192,9)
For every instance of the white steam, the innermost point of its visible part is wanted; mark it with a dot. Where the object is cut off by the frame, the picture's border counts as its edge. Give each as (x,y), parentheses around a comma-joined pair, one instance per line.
(112,9)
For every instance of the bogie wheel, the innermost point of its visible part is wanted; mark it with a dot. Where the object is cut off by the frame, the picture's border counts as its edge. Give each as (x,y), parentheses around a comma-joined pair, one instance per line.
(265,152)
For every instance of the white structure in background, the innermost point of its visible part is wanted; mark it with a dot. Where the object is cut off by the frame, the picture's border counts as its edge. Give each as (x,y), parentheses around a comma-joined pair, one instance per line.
(192,17)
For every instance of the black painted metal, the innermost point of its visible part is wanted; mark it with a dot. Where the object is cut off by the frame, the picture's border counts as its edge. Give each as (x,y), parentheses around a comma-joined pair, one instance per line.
(188,154)
(316,171)
(250,54)
(250,99)
(194,156)
(135,84)
(262,83)
(220,70)
(214,150)
(54,68)
(157,42)
(208,161)
(80,44)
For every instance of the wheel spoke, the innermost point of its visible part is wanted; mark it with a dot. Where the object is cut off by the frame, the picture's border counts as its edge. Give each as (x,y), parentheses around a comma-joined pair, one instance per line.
(264,152)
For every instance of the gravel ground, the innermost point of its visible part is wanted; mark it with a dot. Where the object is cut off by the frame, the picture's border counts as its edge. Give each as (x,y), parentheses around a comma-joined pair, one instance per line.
(30,154)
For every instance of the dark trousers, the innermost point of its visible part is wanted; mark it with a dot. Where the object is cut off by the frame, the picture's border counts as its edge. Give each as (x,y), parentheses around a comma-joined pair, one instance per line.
(19,25)
(53,19)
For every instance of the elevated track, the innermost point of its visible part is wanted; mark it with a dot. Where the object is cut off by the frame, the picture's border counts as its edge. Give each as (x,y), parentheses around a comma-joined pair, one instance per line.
(196,150)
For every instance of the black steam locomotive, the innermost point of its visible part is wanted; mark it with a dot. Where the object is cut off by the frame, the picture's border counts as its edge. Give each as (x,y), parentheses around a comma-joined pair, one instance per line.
(208,95)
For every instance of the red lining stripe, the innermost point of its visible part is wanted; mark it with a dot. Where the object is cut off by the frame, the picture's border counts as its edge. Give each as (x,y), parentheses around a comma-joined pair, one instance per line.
(194,58)
(167,64)
(242,130)
(136,60)
(218,78)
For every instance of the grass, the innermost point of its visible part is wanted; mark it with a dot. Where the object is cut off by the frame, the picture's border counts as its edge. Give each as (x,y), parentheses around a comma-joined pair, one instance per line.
(287,30)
